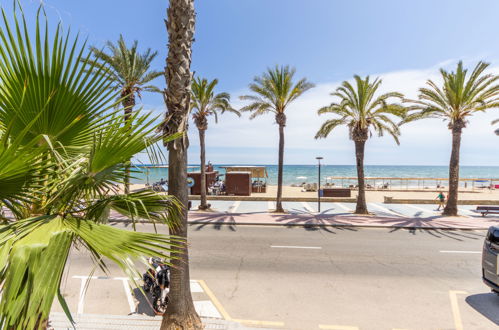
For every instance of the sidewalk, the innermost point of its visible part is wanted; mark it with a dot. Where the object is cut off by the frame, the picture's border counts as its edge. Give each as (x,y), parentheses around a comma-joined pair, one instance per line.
(345,219)
(59,321)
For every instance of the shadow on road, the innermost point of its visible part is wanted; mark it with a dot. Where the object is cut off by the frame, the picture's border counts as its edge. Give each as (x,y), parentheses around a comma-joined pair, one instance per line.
(455,234)
(486,304)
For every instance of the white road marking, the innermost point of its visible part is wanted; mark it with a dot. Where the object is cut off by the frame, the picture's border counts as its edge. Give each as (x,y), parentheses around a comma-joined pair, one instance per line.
(307,207)
(205,308)
(233,208)
(128,293)
(295,247)
(446,251)
(83,291)
(384,209)
(196,287)
(344,207)
(271,205)
(466,211)
(422,209)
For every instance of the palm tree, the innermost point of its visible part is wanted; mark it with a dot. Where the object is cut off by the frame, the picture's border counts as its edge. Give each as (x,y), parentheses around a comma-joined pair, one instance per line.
(180,24)
(62,151)
(273,91)
(131,75)
(204,103)
(362,111)
(459,98)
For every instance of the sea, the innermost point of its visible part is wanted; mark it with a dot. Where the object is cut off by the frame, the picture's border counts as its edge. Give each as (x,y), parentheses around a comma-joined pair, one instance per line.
(298,174)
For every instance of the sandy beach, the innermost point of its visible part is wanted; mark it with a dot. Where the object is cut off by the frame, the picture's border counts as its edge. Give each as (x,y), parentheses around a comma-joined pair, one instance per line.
(376,196)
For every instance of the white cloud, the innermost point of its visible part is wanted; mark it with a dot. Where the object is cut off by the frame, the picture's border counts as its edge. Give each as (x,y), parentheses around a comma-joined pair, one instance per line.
(240,140)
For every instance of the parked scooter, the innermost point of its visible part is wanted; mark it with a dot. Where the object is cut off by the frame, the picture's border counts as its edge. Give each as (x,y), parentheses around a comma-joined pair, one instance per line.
(157,281)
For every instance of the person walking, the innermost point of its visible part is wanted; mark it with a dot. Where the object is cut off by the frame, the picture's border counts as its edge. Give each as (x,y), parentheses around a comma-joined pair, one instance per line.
(441,201)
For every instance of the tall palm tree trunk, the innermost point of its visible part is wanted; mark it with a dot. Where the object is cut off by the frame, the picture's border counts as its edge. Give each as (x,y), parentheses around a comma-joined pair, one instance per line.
(180,313)
(128,105)
(361,207)
(281,120)
(203,205)
(451,207)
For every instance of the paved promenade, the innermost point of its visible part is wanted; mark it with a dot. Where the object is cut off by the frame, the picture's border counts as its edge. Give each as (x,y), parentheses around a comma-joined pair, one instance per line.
(340,214)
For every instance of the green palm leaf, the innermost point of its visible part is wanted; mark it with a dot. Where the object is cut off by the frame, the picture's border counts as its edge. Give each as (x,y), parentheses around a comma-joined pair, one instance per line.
(63,150)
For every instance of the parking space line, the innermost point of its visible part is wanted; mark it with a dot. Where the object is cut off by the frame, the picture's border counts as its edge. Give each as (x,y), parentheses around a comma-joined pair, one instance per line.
(81,297)
(384,209)
(226,315)
(307,207)
(206,308)
(128,292)
(337,327)
(215,301)
(458,323)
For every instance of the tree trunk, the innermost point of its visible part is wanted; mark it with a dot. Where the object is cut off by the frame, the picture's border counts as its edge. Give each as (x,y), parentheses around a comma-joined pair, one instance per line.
(180,313)
(203,205)
(279,207)
(451,207)
(128,104)
(359,157)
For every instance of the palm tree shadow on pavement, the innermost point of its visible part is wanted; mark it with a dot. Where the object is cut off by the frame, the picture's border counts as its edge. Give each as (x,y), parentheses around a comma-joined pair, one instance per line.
(215,220)
(314,221)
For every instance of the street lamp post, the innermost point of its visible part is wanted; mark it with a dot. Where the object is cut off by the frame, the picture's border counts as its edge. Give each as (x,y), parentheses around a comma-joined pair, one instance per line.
(319,185)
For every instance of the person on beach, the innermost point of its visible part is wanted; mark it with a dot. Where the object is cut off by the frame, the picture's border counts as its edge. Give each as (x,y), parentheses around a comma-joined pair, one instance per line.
(441,201)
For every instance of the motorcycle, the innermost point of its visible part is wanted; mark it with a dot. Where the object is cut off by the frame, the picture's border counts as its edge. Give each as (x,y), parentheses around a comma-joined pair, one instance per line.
(157,281)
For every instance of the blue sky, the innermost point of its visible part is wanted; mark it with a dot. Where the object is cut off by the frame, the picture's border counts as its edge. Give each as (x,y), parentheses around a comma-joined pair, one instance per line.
(404,42)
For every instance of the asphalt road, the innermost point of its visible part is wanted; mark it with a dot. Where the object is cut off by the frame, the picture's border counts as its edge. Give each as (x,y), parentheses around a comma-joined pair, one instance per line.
(334,278)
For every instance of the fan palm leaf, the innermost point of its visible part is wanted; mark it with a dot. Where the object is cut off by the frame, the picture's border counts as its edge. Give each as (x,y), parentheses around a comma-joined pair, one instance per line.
(63,151)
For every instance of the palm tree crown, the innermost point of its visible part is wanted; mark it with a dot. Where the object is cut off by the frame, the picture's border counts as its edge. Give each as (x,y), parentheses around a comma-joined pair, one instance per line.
(361,111)
(460,96)
(130,70)
(274,91)
(204,102)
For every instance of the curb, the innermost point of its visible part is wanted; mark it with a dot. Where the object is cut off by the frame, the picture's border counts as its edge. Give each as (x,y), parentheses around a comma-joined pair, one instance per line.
(195,222)
(267,224)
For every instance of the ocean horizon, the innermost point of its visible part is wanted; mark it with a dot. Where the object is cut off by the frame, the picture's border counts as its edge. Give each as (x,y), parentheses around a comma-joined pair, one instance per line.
(296,174)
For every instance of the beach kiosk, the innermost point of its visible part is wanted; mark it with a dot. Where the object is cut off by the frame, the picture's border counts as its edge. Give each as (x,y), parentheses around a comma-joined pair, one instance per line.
(211,177)
(244,180)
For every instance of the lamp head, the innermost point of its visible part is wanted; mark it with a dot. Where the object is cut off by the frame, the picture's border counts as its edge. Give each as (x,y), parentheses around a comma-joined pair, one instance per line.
(319,158)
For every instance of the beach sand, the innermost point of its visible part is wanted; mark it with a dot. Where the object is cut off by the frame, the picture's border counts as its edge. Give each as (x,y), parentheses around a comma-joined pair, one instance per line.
(376,196)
